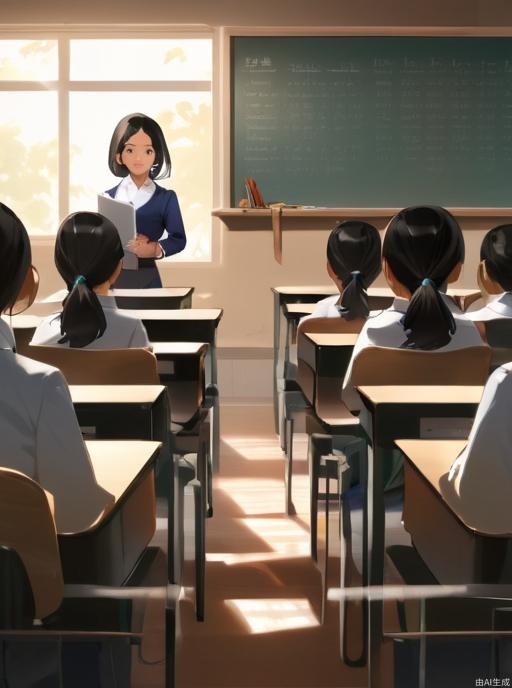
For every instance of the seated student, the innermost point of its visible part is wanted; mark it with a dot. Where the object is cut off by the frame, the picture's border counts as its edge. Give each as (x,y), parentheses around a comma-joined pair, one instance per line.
(422,252)
(481,476)
(353,263)
(495,277)
(39,430)
(88,256)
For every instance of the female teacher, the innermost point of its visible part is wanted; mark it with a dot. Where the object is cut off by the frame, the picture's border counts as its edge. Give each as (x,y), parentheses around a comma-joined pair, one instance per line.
(139,154)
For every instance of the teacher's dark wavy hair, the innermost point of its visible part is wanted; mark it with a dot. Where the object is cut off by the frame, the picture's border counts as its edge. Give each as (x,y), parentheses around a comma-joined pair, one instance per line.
(422,246)
(124,130)
(353,252)
(15,257)
(496,251)
(87,252)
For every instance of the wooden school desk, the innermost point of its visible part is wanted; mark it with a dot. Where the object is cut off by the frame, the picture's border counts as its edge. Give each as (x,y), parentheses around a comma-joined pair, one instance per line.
(462,550)
(163,297)
(189,325)
(284,309)
(132,412)
(23,327)
(122,411)
(123,468)
(301,295)
(181,367)
(107,551)
(391,413)
(323,361)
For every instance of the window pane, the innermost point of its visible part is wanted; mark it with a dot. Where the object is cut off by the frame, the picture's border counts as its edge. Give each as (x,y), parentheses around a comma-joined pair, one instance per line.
(28,60)
(29,160)
(141,60)
(186,121)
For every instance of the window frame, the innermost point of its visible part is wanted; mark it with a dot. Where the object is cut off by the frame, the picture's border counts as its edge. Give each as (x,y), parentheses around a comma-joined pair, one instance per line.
(64,86)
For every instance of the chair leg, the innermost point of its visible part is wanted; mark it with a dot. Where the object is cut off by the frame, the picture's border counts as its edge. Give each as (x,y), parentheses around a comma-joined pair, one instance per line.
(288,470)
(318,446)
(314,466)
(200,545)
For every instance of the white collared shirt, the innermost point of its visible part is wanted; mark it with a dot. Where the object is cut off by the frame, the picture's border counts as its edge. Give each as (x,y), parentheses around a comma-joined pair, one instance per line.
(385,329)
(123,331)
(41,437)
(481,476)
(129,192)
(325,308)
(499,307)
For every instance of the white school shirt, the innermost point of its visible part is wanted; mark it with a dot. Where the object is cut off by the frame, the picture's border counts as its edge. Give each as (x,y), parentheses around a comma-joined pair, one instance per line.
(385,329)
(499,307)
(326,308)
(129,192)
(123,331)
(40,437)
(481,477)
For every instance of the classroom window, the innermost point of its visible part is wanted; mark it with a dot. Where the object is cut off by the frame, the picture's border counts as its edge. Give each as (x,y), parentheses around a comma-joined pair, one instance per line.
(60,101)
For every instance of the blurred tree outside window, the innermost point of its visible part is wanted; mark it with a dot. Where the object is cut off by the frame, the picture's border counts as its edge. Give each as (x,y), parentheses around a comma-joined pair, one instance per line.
(167,79)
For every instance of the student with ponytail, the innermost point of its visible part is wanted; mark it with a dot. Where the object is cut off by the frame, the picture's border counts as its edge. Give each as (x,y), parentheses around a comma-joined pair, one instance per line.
(88,256)
(353,263)
(423,251)
(38,426)
(495,276)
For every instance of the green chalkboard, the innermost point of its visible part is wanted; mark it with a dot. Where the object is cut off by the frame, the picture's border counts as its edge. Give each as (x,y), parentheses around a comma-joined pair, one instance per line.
(365,121)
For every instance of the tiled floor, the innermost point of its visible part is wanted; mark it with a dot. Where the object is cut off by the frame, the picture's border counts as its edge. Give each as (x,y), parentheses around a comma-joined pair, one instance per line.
(263,594)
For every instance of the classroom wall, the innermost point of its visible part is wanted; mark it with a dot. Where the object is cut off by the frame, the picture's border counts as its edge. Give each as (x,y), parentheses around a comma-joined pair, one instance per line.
(240,278)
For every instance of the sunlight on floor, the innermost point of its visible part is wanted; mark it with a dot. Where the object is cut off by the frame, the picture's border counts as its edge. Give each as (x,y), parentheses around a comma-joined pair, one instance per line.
(287,538)
(254,448)
(282,534)
(254,496)
(270,615)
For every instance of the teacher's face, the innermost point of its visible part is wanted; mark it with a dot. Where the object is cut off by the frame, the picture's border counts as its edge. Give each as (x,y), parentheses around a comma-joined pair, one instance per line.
(138,155)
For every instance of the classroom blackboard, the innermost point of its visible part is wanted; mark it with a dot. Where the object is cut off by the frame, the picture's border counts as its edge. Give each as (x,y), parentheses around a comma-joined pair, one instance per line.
(372,121)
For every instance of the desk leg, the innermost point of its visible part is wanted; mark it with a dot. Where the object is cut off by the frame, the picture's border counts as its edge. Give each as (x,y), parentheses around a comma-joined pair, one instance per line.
(277,342)
(215,445)
(375,564)
(170,644)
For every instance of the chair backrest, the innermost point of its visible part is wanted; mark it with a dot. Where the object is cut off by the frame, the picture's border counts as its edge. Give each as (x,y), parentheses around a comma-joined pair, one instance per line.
(331,325)
(27,526)
(100,366)
(376,365)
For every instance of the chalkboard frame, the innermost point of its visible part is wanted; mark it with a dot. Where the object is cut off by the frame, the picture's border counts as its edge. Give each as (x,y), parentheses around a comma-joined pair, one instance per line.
(231,215)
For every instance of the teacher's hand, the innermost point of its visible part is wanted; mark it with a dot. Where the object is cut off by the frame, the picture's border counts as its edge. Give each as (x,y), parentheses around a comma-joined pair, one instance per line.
(144,248)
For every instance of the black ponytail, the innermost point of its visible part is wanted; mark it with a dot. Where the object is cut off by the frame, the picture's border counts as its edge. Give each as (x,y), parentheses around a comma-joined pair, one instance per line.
(87,251)
(422,246)
(496,250)
(15,256)
(353,252)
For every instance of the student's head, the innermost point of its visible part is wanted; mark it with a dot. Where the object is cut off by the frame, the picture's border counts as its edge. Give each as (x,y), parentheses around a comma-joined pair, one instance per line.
(353,262)
(495,270)
(17,277)
(139,126)
(423,250)
(88,253)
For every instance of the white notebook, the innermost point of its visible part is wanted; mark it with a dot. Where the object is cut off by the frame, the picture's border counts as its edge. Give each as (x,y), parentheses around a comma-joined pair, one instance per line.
(122,216)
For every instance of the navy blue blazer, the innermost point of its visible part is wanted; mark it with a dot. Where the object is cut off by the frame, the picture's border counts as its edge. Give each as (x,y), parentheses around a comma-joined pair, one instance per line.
(160,213)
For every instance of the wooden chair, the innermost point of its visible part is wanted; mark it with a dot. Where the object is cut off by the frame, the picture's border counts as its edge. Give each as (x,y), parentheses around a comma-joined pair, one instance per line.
(32,584)
(296,401)
(100,366)
(138,366)
(386,366)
